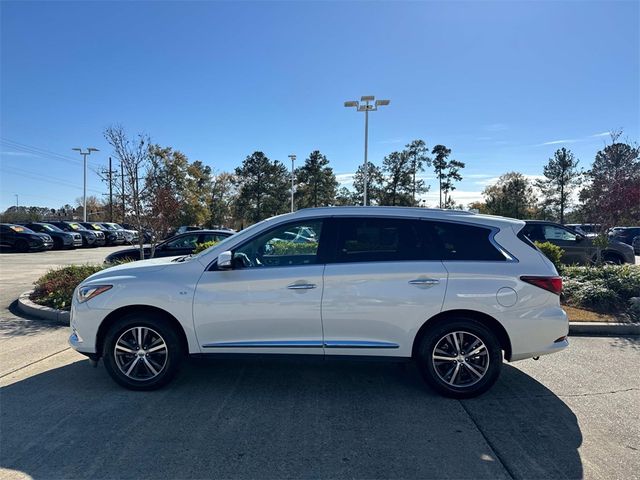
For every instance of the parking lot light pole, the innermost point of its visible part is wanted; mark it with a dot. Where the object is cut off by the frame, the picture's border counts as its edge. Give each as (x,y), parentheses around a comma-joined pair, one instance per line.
(293,159)
(84,195)
(367,104)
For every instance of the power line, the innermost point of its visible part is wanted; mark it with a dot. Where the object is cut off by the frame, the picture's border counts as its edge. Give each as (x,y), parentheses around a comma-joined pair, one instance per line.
(43,178)
(39,152)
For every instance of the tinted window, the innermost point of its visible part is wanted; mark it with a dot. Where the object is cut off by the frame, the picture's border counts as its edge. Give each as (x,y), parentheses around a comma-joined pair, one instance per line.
(288,245)
(212,237)
(551,233)
(533,231)
(186,241)
(466,242)
(384,240)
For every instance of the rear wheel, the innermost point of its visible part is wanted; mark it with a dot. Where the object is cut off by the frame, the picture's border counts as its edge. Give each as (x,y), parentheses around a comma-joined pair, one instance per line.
(142,351)
(612,258)
(460,358)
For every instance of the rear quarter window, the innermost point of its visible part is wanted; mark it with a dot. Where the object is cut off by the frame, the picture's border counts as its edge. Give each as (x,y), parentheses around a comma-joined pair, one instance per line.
(466,242)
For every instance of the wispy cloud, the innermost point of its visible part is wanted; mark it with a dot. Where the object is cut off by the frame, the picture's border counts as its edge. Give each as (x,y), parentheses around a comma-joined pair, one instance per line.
(391,141)
(496,127)
(558,142)
(16,154)
(603,134)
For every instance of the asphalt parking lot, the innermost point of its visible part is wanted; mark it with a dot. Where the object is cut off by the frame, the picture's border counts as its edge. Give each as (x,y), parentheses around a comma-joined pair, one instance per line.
(570,415)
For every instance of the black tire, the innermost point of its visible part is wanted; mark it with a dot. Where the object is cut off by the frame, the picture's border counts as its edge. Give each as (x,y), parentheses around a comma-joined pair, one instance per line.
(57,244)
(167,367)
(22,246)
(435,371)
(612,258)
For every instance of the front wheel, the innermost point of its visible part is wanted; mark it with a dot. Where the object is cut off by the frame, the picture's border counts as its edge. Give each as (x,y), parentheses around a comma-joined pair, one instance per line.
(142,351)
(460,358)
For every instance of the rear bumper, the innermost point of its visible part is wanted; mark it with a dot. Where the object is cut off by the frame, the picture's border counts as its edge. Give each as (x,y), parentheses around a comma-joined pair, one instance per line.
(552,348)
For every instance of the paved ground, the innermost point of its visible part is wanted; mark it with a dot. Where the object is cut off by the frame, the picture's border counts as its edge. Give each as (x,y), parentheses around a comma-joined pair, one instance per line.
(570,415)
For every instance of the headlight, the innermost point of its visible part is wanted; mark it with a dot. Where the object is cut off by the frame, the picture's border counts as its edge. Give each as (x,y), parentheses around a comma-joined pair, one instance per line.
(88,292)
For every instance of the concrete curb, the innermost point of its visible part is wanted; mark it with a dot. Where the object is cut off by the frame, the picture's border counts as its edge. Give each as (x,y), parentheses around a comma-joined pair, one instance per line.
(26,306)
(603,328)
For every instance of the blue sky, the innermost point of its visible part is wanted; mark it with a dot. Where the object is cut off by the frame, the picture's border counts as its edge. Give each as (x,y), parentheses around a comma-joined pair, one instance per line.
(497,82)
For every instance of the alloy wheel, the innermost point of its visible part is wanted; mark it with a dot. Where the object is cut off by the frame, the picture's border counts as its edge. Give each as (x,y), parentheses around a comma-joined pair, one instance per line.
(460,359)
(141,353)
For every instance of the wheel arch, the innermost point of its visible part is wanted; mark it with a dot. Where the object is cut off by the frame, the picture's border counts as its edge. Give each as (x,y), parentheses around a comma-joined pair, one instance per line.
(487,320)
(120,312)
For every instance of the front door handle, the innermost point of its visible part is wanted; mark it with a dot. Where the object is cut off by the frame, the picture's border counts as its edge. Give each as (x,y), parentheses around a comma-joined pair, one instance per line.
(424,281)
(301,286)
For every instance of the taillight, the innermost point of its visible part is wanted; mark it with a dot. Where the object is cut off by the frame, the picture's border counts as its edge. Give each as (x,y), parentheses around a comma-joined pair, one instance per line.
(550,284)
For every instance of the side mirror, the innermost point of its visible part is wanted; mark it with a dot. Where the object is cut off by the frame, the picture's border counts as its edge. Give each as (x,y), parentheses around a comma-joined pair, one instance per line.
(225,260)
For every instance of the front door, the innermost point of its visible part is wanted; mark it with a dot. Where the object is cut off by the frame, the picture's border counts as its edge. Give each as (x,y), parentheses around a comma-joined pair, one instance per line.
(270,301)
(576,248)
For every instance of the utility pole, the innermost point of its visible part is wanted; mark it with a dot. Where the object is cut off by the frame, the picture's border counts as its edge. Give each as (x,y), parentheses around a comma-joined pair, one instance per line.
(293,159)
(110,192)
(366,107)
(122,187)
(84,195)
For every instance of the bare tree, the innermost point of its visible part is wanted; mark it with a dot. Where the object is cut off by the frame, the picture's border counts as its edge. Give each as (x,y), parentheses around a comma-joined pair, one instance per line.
(133,154)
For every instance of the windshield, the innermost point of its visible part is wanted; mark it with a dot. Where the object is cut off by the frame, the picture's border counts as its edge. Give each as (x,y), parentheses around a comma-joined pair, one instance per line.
(50,228)
(76,226)
(96,226)
(109,226)
(21,229)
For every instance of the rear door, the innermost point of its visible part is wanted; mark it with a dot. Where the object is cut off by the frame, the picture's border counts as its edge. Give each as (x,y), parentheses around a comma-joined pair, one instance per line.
(384,281)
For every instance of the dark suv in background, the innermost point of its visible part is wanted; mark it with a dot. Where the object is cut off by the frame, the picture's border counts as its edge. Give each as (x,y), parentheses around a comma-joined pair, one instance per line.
(112,237)
(23,239)
(90,238)
(60,238)
(624,234)
(577,247)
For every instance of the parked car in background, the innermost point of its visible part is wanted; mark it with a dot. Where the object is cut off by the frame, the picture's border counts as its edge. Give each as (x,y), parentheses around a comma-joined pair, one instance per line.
(450,290)
(577,248)
(636,245)
(22,239)
(90,238)
(183,244)
(146,233)
(112,236)
(61,239)
(130,236)
(586,229)
(624,234)
(183,229)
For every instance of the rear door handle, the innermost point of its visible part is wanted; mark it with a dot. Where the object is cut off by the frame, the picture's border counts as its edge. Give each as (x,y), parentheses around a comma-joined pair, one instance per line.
(424,281)
(301,286)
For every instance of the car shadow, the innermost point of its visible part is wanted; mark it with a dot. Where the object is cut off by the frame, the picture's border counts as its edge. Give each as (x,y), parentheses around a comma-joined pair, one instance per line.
(284,419)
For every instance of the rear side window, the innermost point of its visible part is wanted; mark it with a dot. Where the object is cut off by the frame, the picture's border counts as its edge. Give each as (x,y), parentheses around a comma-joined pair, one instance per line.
(383,240)
(466,242)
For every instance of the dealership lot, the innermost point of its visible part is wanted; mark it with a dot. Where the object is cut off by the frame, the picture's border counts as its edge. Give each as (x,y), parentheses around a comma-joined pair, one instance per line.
(567,415)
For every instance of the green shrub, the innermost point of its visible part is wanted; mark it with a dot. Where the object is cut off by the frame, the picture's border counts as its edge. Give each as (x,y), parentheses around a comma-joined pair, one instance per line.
(203,246)
(552,252)
(605,288)
(55,288)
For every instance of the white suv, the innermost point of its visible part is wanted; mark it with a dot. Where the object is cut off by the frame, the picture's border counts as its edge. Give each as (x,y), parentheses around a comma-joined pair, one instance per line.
(452,290)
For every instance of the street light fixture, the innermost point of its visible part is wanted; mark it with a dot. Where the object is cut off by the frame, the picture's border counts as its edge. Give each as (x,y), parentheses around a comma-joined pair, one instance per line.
(293,159)
(365,105)
(84,195)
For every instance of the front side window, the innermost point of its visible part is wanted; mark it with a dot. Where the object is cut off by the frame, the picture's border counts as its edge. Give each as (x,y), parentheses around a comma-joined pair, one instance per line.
(212,237)
(288,245)
(466,242)
(551,233)
(383,240)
